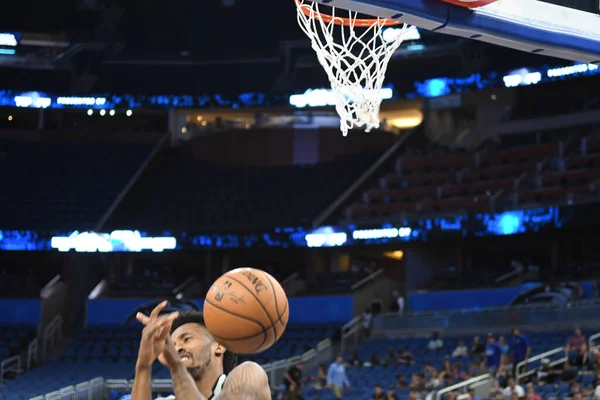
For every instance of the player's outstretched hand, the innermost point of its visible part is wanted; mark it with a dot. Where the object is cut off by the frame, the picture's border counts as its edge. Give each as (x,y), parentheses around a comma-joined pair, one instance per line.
(170,357)
(154,334)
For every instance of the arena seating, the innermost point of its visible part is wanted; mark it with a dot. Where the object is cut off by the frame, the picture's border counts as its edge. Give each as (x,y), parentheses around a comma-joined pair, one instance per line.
(222,199)
(565,169)
(14,338)
(364,378)
(54,185)
(110,352)
(560,97)
(334,282)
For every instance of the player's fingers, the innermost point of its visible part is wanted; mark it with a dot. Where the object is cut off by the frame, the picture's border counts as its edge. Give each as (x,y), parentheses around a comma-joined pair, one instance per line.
(161,306)
(166,329)
(155,325)
(144,319)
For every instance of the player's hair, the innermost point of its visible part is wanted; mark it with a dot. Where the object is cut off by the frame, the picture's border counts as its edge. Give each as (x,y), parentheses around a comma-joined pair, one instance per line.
(230,358)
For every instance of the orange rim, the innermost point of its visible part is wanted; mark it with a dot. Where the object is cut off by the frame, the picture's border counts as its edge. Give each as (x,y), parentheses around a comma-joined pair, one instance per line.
(360,22)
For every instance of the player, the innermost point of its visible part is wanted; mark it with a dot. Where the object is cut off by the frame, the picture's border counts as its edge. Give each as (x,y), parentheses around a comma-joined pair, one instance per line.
(198,355)
(247,381)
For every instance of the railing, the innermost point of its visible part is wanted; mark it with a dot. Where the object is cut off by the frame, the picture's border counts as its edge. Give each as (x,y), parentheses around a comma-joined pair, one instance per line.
(132,181)
(32,353)
(591,342)
(290,278)
(366,279)
(580,313)
(97,388)
(521,375)
(52,332)
(311,359)
(337,203)
(12,364)
(351,333)
(177,292)
(462,386)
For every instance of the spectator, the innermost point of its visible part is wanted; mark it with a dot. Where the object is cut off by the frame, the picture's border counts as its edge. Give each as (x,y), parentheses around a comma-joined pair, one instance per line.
(400,384)
(502,343)
(521,349)
(378,393)
(390,357)
(595,360)
(414,395)
(373,361)
(354,360)
(531,395)
(435,343)
(477,349)
(568,373)
(427,370)
(457,373)
(367,323)
(416,383)
(461,350)
(404,357)
(337,378)
(513,388)
(434,381)
(321,378)
(293,382)
(399,302)
(391,394)
(493,356)
(545,374)
(495,389)
(576,349)
(472,394)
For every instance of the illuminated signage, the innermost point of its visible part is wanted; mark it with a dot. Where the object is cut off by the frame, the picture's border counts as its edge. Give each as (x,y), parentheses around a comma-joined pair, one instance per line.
(81,101)
(326,237)
(326,97)
(117,241)
(32,100)
(571,70)
(522,78)
(8,39)
(390,34)
(364,234)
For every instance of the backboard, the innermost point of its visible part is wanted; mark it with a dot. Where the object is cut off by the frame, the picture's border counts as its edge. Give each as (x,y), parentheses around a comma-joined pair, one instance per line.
(546,27)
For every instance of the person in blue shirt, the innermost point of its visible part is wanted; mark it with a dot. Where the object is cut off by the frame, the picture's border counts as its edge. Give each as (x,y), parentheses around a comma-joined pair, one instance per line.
(520,348)
(493,355)
(337,378)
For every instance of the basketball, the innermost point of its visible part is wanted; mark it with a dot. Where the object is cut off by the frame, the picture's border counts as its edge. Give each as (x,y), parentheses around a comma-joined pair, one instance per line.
(246,310)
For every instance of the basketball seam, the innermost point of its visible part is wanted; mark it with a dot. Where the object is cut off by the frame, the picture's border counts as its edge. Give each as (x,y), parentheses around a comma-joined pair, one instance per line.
(246,337)
(276,305)
(263,330)
(279,316)
(259,302)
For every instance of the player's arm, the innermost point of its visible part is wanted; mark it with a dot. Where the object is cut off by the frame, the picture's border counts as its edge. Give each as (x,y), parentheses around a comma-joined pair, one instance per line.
(183,384)
(142,384)
(246,381)
(155,332)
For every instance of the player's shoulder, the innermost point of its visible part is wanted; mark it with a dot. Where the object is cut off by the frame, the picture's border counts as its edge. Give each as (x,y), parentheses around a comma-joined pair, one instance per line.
(247,369)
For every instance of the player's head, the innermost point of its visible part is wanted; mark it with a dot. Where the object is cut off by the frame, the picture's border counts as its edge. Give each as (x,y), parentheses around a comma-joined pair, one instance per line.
(247,381)
(198,349)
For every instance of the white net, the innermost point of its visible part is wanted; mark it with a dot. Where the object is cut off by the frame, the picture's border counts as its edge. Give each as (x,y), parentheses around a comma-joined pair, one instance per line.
(355,57)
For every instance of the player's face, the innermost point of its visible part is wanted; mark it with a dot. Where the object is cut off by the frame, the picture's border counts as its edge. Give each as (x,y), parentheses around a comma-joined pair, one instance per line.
(195,346)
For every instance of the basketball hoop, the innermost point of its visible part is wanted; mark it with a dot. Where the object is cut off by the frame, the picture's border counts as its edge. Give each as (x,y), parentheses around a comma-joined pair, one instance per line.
(355,61)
